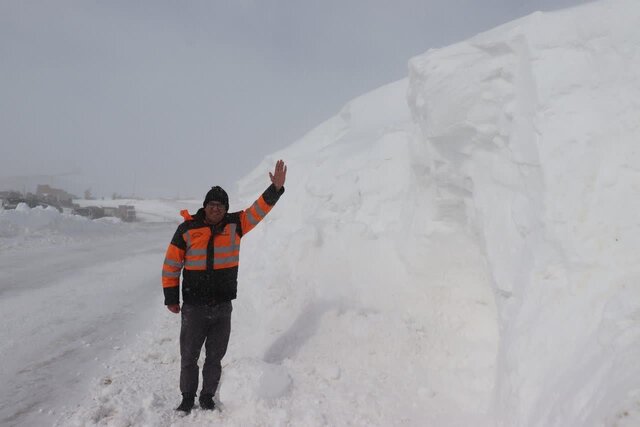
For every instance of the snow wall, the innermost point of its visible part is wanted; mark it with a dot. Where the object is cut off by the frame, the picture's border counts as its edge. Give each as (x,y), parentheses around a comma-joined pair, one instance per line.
(361,275)
(534,126)
(479,219)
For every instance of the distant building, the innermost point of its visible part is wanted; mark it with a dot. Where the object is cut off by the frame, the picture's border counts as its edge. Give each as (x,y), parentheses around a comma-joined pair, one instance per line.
(10,199)
(54,195)
(9,194)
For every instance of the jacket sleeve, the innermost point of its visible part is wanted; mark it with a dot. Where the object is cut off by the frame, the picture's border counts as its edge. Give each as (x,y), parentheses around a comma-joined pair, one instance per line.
(250,217)
(171,268)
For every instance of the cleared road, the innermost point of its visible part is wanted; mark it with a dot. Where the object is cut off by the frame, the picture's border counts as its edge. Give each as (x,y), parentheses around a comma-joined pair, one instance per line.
(65,310)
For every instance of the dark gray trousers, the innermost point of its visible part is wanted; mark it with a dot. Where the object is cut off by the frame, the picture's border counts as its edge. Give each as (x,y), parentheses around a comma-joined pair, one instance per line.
(211,326)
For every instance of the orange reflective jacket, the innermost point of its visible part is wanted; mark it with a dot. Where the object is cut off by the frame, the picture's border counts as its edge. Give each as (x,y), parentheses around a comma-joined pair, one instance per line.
(208,256)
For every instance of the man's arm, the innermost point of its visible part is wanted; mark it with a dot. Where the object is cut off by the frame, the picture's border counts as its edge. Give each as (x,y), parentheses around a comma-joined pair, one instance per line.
(250,217)
(171,268)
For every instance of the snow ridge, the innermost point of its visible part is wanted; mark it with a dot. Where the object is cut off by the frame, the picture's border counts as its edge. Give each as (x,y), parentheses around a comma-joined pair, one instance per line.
(533,126)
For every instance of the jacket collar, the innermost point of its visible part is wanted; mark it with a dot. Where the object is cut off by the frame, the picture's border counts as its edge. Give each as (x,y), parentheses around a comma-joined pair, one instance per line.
(199,216)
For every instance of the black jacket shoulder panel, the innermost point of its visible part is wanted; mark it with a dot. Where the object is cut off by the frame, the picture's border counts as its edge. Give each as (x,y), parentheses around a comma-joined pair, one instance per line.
(177,239)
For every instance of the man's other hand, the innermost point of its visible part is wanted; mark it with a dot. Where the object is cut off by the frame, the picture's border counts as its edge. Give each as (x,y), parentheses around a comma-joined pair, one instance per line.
(174,308)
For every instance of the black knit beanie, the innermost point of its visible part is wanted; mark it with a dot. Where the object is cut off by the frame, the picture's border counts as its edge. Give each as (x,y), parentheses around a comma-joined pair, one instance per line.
(217,194)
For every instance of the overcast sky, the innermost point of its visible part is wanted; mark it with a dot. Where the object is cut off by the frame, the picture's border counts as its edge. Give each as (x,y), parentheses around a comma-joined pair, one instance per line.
(167,98)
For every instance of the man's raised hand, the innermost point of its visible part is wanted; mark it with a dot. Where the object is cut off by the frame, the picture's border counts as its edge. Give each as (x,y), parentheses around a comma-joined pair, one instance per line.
(279,175)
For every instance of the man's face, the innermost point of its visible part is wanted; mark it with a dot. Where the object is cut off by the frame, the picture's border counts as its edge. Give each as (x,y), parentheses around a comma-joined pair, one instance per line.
(214,212)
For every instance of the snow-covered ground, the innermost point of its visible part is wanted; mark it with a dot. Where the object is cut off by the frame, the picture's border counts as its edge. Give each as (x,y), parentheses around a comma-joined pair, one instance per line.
(456,248)
(73,293)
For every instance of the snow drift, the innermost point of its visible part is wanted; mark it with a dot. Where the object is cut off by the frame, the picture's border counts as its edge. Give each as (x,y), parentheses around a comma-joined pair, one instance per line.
(30,227)
(369,288)
(534,126)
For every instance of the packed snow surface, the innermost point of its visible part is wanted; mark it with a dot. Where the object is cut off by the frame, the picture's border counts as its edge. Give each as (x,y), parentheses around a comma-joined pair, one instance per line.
(456,248)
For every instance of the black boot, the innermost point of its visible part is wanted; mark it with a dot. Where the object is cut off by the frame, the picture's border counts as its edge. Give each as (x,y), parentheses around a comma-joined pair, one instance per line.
(187,403)
(206,402)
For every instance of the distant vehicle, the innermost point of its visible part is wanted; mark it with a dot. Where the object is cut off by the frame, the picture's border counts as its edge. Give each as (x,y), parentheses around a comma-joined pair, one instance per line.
(127,213)
(13,202)
(92,212)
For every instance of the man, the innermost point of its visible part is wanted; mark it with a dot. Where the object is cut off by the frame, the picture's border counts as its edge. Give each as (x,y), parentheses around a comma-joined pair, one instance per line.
(206,248)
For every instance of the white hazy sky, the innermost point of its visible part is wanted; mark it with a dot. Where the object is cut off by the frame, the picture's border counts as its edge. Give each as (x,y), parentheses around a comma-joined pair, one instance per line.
(167,98)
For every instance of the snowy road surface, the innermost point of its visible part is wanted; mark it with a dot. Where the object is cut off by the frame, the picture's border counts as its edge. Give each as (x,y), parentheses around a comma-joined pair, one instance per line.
(66,310)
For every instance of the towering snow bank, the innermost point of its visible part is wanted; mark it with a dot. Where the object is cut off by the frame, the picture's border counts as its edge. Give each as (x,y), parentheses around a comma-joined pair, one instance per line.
(359,289)
(534,127)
